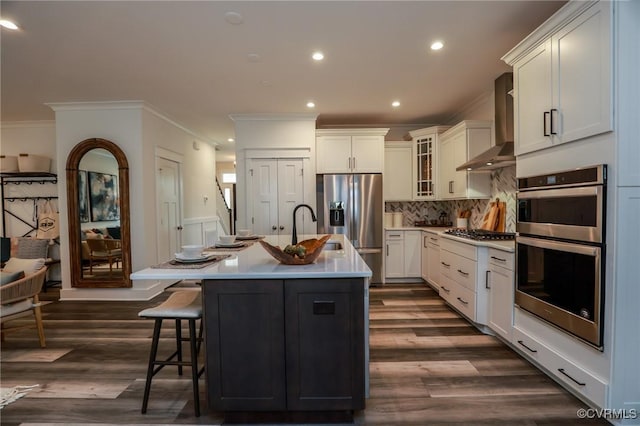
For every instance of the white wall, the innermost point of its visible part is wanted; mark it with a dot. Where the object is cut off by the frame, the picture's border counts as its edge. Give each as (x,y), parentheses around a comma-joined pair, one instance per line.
(265,131)
(31,137)
(198,174)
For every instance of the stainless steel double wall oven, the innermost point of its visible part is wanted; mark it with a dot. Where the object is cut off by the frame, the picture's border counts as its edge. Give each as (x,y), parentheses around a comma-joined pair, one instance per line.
(560,249)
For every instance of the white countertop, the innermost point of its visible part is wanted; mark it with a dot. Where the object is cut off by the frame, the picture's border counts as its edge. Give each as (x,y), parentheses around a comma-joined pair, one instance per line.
(508,245)
(255,263)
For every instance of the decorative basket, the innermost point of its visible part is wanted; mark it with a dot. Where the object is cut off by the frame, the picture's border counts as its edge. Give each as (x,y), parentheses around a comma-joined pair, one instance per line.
(313,246)
(34,163)
(8,163)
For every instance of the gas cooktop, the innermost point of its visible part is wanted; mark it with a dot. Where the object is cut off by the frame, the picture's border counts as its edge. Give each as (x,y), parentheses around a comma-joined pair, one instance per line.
(480,234)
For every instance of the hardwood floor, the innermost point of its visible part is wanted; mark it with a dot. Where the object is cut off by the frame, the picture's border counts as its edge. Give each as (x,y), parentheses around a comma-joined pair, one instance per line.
(428,367)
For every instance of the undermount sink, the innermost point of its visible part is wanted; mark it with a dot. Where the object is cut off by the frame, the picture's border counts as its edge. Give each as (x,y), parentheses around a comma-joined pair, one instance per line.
(333,245)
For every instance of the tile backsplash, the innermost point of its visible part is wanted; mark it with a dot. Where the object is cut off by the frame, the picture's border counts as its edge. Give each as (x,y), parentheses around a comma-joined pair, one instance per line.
(503,186)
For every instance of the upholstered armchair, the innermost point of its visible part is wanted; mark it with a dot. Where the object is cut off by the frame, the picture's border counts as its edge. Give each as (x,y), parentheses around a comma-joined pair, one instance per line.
(20,298)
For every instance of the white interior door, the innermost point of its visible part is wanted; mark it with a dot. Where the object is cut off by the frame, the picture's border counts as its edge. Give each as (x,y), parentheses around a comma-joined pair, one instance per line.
(263,175)
(290,194)
(169,208)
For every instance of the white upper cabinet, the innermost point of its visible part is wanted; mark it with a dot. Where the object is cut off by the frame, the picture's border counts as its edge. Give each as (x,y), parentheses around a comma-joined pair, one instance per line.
(398,173)
(457,145)
(350,150)
(425,162)
(562,78)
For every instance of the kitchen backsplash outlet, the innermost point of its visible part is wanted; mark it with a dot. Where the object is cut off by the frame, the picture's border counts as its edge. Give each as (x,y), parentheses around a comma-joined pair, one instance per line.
(503,186)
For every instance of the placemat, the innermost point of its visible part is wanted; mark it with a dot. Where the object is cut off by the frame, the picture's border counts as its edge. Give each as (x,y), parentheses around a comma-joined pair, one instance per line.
(245,244)
(172,264)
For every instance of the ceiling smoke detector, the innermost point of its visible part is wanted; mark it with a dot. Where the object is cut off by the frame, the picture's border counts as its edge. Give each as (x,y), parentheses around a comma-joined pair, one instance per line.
(234,18)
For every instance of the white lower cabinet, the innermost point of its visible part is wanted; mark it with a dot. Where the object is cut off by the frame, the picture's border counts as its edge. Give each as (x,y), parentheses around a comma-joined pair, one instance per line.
(433,260)
(403,254)
(583,383)
(394,254)
(500,283)
(413,253)
(460,267)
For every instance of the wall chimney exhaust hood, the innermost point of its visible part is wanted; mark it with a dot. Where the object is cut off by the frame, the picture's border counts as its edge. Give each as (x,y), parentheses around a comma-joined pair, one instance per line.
(501,154)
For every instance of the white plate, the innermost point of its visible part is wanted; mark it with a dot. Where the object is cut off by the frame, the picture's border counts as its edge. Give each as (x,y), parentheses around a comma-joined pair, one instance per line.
(203,258)
(229,245)
(247,237)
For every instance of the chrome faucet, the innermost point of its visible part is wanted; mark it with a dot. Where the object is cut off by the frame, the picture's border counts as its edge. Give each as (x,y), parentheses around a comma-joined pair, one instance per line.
(294,236)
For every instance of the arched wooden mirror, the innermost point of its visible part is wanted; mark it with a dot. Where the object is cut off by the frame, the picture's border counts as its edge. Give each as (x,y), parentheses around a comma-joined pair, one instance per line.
(98,210)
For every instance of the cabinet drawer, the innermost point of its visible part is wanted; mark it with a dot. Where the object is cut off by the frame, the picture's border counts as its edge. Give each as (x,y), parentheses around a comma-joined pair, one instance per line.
(447,263)
(464,301)
(432,238)
(465,272)
(501,258)
(566,372)
(466,250)
(447,290)
(394,235)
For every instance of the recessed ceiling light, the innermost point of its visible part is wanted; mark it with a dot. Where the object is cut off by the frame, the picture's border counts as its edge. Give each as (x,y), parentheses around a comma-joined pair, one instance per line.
(230,140)
(489,163)
(395,104)
(233,18)
(311,104)
(8,24)
(437,45)
(317,56)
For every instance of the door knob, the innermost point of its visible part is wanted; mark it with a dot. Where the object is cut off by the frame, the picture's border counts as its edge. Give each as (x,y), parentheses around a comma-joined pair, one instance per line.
(274,227)
(281,227)
(179,228)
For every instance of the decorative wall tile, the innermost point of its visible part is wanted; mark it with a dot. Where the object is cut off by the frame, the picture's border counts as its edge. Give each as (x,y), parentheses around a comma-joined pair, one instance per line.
(503,186)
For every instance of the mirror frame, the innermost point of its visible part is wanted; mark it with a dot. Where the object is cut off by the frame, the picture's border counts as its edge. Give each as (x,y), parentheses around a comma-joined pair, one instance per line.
(75,244)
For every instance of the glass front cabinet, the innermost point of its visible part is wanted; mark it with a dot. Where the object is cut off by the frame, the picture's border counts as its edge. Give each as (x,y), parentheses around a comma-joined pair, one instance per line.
(425,155)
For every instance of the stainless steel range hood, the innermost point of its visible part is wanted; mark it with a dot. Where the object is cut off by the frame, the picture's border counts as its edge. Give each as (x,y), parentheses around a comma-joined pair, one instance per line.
(500,155)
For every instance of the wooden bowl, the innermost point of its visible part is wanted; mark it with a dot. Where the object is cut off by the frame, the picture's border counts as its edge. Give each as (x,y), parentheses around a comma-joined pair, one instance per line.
(314,248)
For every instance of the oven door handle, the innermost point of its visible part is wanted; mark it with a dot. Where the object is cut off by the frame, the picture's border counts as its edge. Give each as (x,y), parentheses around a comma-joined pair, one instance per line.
(561,193)
(559,246)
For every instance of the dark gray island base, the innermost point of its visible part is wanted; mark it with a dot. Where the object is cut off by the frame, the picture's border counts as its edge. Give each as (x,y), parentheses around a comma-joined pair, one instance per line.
(285,350)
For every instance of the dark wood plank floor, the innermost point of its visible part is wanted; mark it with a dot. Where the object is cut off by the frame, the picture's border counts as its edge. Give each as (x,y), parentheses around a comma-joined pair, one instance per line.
(428,367)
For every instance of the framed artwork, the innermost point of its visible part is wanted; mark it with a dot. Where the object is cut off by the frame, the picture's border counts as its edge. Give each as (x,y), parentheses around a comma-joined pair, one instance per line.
(83,196)
(103,195)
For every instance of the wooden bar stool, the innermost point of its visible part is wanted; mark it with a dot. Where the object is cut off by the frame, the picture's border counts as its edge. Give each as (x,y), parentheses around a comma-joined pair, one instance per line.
(181,305)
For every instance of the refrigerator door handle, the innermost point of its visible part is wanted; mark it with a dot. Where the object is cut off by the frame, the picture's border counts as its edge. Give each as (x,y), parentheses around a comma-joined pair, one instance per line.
(369,250)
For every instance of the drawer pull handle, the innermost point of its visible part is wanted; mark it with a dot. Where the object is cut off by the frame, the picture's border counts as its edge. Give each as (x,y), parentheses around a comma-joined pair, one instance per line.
(394,235)
(446,264)
(466,274)
(527,347)
(445,289)
(486,280)
(433,239)
(463,301)
(544,123)
(571,378)
(497,258)
(551,127)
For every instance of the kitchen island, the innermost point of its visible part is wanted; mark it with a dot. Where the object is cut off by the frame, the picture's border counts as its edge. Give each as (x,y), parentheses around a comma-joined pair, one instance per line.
(286,342)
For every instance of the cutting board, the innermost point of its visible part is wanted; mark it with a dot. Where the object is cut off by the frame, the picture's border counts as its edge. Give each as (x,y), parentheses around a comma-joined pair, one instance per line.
(494,218)
(502,216)
(489,219)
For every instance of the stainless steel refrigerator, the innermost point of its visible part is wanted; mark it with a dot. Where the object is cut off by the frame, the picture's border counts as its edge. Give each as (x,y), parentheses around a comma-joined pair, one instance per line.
(352,204)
